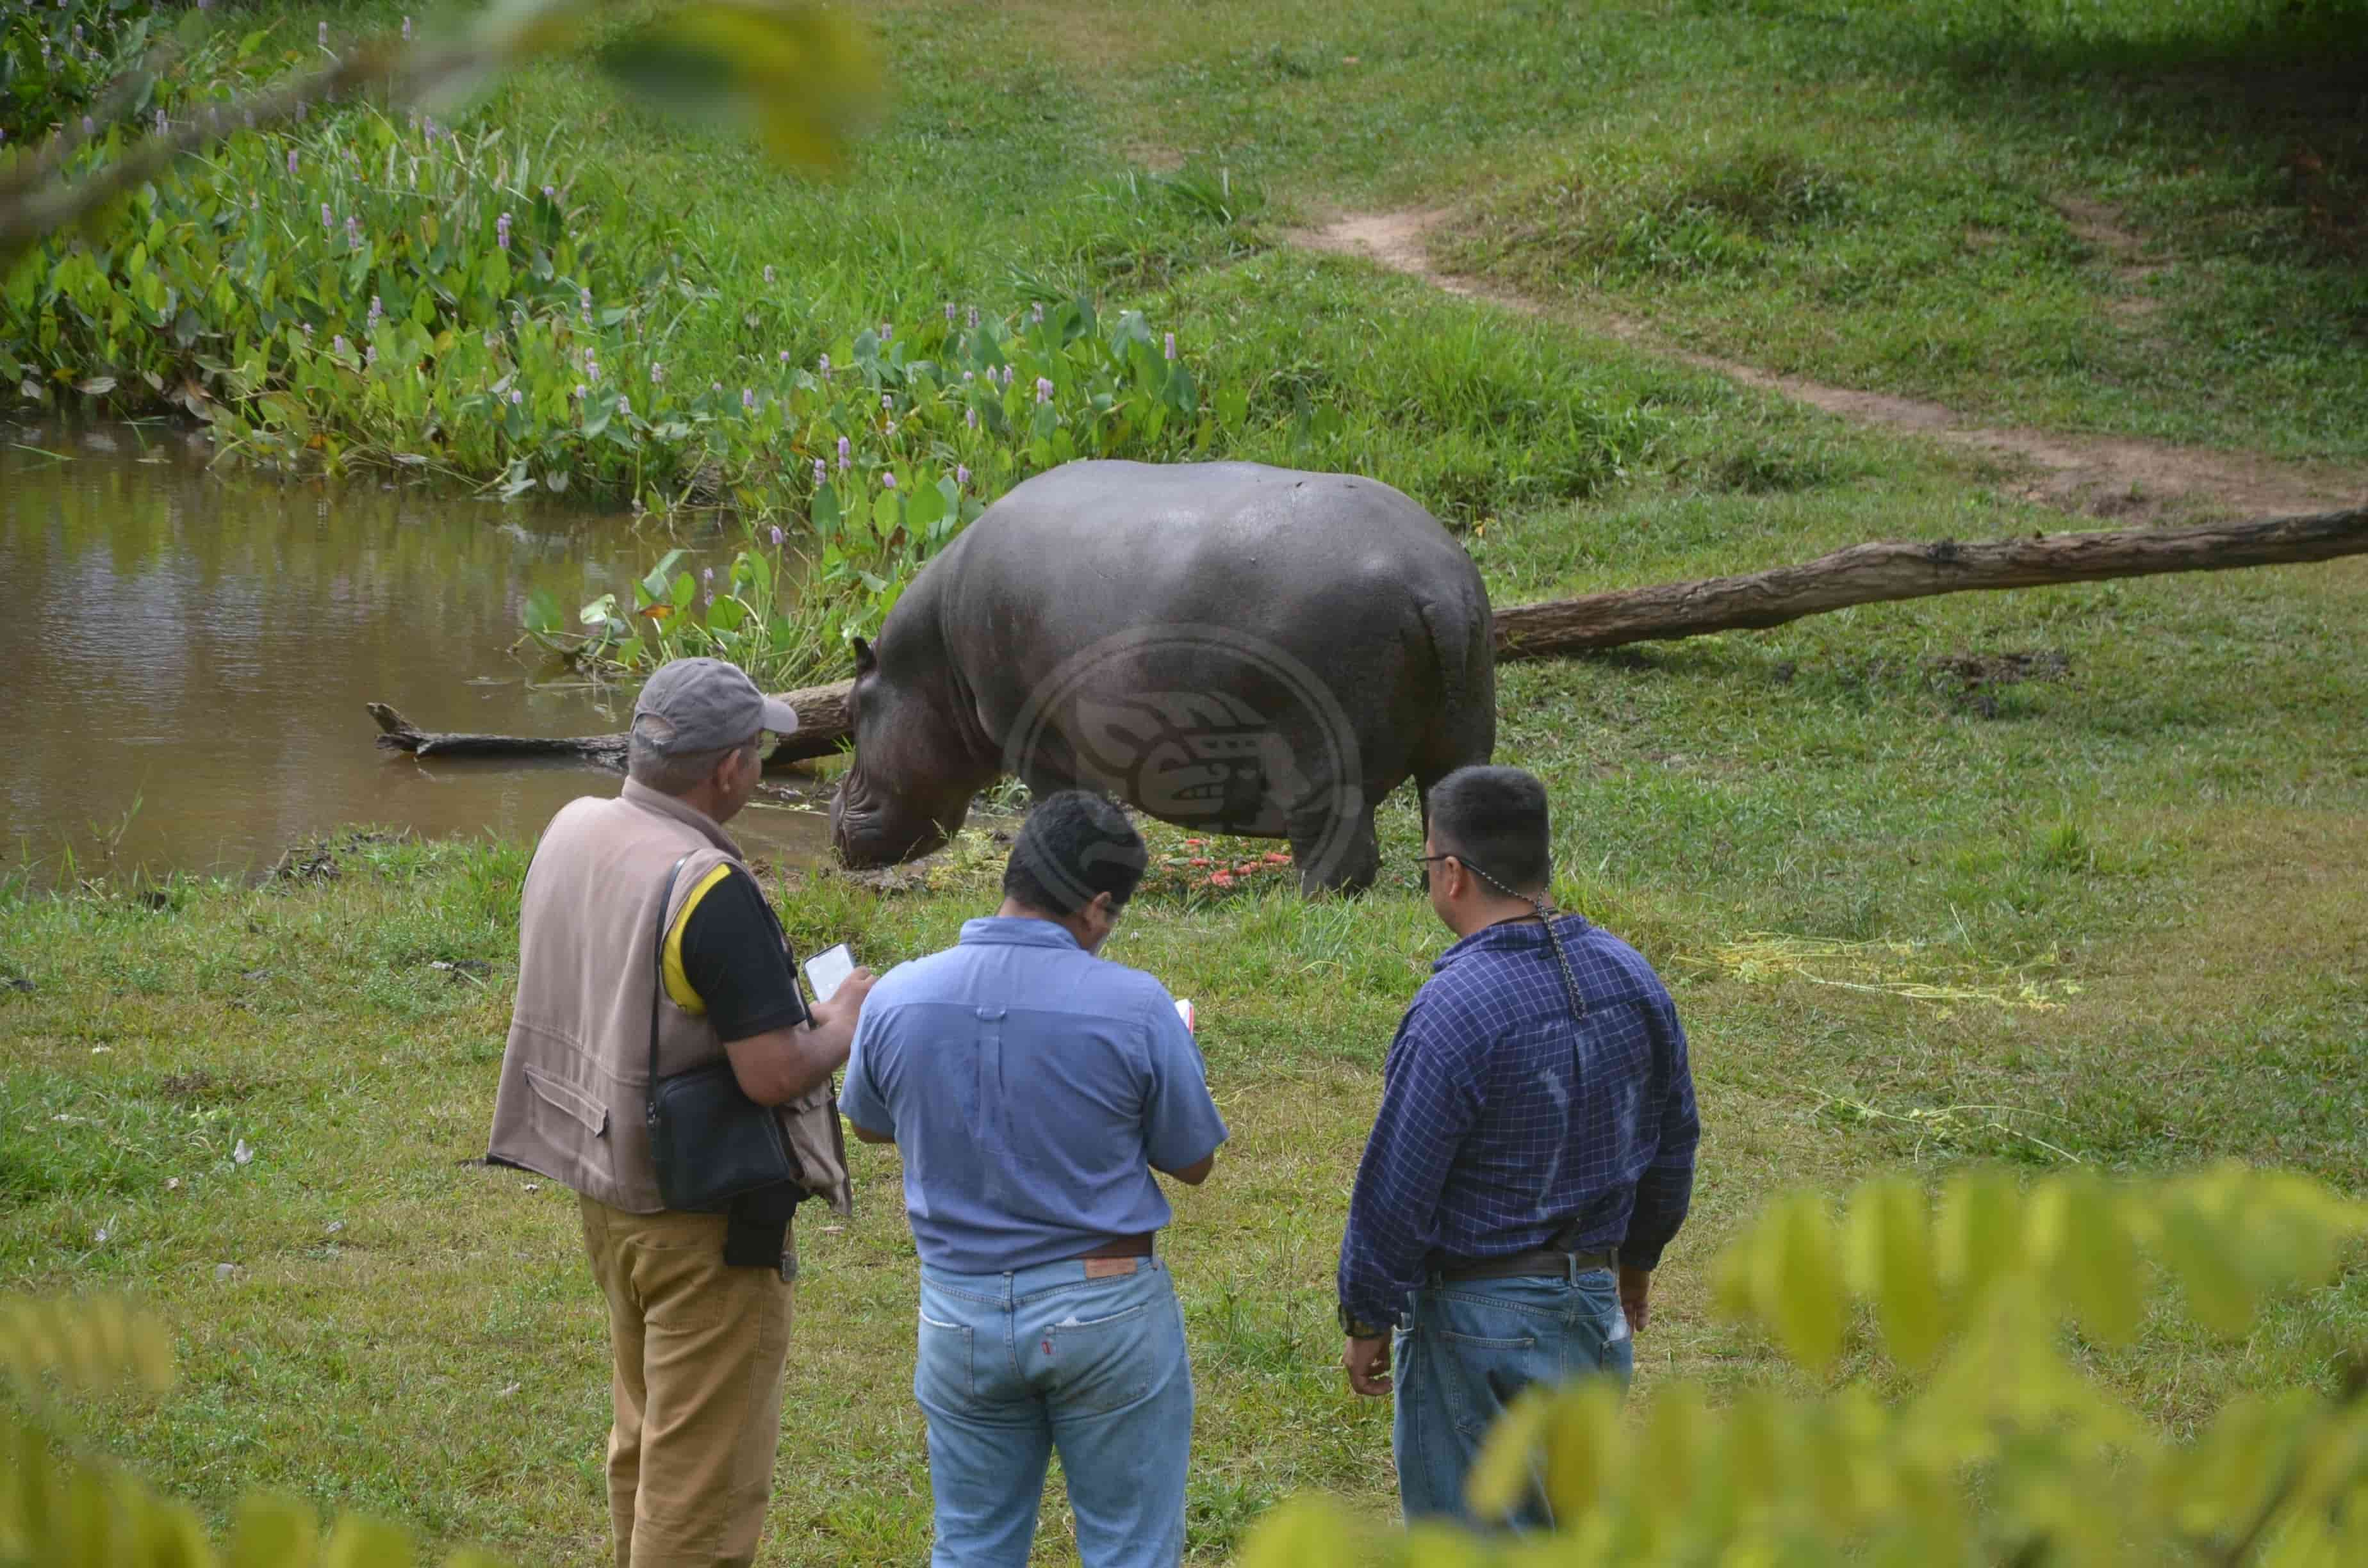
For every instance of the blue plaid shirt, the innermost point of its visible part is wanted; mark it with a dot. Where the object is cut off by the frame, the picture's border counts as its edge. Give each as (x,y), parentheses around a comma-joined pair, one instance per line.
(1503,1115)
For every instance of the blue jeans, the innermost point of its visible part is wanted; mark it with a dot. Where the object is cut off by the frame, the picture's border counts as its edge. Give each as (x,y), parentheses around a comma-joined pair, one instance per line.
(1012,1366)
(1466,1350)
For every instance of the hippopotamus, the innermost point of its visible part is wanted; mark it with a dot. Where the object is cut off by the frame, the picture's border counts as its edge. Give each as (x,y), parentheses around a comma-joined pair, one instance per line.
(1227,647)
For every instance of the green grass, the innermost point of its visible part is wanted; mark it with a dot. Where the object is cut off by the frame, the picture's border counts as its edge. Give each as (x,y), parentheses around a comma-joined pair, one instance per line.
(2153,842)
(2156,835)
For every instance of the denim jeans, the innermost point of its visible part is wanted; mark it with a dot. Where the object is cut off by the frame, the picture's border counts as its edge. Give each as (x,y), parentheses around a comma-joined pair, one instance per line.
(1466,1350)
(1012,1366)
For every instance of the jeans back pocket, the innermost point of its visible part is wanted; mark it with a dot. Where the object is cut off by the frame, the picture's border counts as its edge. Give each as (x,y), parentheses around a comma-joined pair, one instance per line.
(1104,1360)
(943,1372)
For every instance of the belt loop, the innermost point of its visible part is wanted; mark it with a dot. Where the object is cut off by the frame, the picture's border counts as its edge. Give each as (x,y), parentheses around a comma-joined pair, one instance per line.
(1570,1269)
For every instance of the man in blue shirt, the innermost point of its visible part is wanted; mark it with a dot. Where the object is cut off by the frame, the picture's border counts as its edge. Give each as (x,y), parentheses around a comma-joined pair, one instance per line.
(1032,1088)
(1533,1153)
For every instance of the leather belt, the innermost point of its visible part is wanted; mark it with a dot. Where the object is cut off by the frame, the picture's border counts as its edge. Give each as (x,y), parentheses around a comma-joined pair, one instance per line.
(1120,1246)
(1535,1265)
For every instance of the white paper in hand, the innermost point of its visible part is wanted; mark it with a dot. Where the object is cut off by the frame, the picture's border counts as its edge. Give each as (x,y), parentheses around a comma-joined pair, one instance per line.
(827,970)
(1184,1011)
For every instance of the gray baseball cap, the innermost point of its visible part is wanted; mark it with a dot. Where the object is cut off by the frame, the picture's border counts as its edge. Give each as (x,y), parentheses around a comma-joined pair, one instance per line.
(695,705)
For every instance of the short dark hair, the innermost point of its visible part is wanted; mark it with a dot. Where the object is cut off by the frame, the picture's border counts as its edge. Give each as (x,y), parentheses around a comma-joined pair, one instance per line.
(1494,820)
(1073,846)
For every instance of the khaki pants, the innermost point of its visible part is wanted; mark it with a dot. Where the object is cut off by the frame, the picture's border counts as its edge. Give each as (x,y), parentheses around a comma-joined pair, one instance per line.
(698,1351)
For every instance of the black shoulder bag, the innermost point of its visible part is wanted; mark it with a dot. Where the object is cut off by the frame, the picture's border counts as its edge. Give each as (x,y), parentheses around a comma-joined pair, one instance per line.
(710,1141)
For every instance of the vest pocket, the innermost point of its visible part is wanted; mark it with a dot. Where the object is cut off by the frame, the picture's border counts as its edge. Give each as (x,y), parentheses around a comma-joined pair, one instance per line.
(570,1100)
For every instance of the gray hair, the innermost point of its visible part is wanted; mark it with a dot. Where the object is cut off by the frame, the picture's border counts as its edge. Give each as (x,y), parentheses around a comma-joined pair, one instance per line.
(676,775)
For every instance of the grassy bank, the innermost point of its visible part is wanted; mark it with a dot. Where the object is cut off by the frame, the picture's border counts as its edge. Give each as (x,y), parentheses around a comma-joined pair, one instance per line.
(2048,876)
(1913,917)
(2089,219)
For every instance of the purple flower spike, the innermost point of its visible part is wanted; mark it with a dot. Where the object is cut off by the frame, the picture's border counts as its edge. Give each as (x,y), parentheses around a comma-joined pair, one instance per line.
(1043,390)
(748,399)
(822,474)
(777,538)
(843,458)
(369,358)
(949,312)
(1037,315)
(327,222)
(974,318)
(1171,347)
(337,345)
(886,332)
(406,29)
(517,397)
(625,405)
(970,375)
(962,474)
(888,481)
(579,391)
(707,575)
(376,311)
(291,159)
(887,401)
(89,127)
(353,233)
(325,35)
(551,194)
(657,373)
(162,123)
(502,231)
(785,355)
(969,417)
(824,364)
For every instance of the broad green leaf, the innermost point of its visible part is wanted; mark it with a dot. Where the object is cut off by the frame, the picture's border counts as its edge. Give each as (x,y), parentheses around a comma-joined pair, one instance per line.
(1587,1448)
(801,75)
(1889,1250)
(653,587)
(1980,1234)
(1796,1285)
(1505,1470)
(357,1542)
(1306,1533)
(2201,1255)
(541,614)
(273,1531)
(2075,1223)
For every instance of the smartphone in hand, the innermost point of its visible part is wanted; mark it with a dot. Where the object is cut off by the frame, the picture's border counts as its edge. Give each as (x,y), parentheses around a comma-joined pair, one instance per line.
(827,970)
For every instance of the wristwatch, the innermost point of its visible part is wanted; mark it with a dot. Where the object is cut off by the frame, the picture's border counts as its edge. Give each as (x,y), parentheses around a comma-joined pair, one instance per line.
(1350,1327)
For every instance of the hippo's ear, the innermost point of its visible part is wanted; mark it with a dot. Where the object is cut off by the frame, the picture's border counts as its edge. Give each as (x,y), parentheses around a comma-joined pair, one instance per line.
(864,662)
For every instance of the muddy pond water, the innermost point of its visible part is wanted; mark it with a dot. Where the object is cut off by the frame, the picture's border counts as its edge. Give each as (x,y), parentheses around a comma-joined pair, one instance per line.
(186,651)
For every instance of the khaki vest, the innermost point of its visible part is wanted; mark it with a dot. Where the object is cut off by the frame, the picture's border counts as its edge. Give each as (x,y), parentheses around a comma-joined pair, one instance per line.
(575,1091)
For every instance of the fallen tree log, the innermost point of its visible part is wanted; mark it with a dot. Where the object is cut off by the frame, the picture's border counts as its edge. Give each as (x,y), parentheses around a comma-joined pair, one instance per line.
(821,725)
(1861,573)
(1876,573)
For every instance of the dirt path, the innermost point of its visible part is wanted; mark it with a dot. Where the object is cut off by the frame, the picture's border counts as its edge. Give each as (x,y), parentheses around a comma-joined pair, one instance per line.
(2106,476)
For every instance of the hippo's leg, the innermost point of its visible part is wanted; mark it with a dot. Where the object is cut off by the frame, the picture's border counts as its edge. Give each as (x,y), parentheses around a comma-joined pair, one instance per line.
(1343,857)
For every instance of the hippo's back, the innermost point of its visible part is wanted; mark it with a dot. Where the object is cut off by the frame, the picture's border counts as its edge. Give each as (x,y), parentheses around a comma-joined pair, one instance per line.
(1301,558)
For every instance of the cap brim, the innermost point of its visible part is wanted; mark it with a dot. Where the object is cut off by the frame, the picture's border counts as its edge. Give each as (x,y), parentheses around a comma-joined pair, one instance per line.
(780,719)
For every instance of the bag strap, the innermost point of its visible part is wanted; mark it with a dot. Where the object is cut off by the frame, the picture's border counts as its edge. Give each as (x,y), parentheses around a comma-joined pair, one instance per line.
(657,979)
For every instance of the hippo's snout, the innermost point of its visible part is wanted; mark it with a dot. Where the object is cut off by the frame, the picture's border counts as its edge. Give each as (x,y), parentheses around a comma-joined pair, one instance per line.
(868,836)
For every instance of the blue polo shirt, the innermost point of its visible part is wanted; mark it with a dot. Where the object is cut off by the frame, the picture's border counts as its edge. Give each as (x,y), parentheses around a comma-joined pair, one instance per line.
(1031,1089)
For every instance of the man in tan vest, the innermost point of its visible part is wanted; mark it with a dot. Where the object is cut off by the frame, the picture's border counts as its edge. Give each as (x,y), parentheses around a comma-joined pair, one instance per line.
(621,890)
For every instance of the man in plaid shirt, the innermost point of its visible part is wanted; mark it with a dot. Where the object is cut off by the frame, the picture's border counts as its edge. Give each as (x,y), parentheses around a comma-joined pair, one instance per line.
(1533,1153)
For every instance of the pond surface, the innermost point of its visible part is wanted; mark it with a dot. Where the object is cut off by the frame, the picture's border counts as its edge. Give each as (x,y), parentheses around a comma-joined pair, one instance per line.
(186,654)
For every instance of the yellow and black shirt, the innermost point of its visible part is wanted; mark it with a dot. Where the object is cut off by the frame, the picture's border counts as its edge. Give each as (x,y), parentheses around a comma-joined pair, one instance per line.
(727,959)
